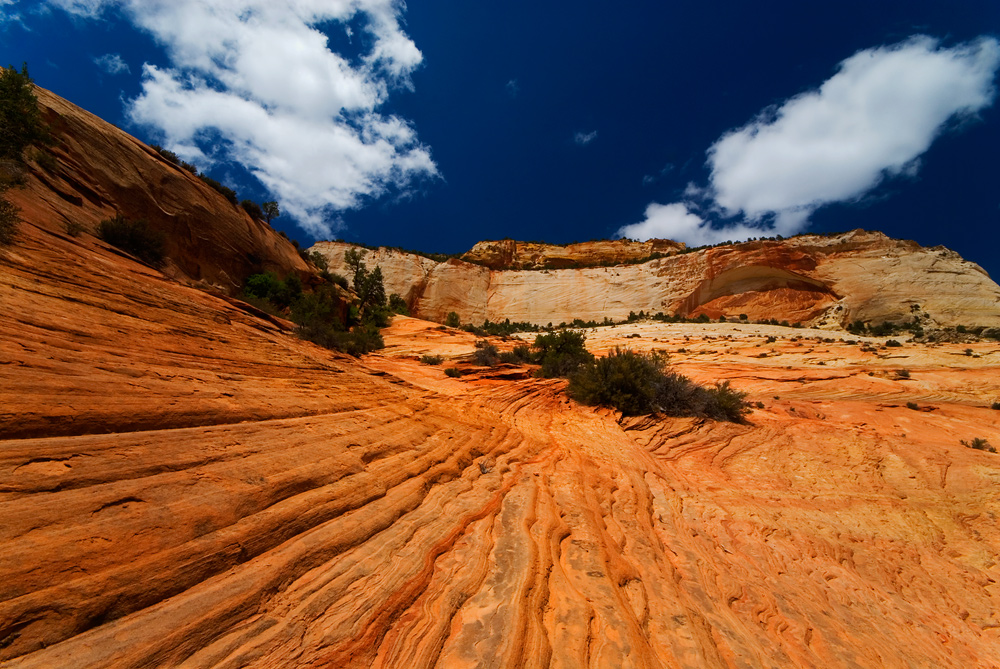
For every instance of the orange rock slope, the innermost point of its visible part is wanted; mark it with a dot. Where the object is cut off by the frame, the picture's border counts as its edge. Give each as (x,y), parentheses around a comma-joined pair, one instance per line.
(184,484)
(94,171)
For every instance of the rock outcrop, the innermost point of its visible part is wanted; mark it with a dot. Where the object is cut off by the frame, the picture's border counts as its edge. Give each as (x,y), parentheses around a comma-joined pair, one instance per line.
(93,171)
(828,281)
(185,484)
(510,254)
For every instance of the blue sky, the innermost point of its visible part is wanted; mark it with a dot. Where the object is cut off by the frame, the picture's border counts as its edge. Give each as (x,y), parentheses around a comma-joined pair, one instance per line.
(437,124)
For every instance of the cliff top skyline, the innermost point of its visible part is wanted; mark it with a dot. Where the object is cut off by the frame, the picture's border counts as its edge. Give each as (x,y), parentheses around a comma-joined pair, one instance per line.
(436,126)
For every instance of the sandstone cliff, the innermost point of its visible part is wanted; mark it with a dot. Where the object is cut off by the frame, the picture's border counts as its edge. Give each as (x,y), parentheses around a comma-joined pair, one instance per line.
(97,170)
(827,281)
(510,254)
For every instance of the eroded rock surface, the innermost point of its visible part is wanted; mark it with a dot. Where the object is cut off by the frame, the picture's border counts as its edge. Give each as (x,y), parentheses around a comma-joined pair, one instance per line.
(185,484)
(95,171)
(817,280)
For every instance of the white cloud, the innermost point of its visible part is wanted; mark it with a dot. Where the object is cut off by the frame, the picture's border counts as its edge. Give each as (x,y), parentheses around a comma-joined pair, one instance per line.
(513,88)
(112,63)
(584,138)
(874,118)
(258,78)
(676,221)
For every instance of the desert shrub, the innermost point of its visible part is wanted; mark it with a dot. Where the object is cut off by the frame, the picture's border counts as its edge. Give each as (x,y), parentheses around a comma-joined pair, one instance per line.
(74,228)
(771,340)
(338,279)
(135,237)
(397,305)
(561,353)
(640,383)
(486,354)
(912,405)
(744,317)
(903,373)
(892,343)
(453,372)
(431,359)
(319,261)
(225,191)
(452,320)
(979,444)
(357,341)
(9,220)
(995,406)
(20,119)
(702,318)
(521,353)
(759,405)
(252,208)
(968,351)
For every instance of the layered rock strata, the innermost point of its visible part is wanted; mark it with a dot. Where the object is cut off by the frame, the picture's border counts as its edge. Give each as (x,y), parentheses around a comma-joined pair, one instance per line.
(828,281)
(93,171)
(185,484)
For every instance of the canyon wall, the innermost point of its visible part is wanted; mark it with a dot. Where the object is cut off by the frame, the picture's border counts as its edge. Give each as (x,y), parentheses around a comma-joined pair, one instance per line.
(826,281)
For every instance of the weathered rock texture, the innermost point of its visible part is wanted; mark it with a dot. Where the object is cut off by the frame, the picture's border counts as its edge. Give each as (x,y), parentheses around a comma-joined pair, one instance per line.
(184,484)
(510,254)
(817,280)
(97,171)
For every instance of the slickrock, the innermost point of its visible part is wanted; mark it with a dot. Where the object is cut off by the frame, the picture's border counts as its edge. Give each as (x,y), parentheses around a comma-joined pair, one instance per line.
(826,281)
(95,171)
(185,484)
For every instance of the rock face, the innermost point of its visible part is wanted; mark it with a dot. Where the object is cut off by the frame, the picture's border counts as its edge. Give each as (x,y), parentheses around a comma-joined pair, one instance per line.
(509,254)
(185,484)
(827,281)
(95,171)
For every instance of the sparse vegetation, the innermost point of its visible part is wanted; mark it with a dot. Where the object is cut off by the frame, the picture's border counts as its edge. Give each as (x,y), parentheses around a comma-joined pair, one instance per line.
(486,354)
(9,219)
(913,405)
(431,359)
(903,373)
(252,208)
(892,343)
(639,383)
(452,320)
(995,406)
(74,228)
(453,372)
(271,211)
(979,444)
(135,237)
(397,305)
(225,191)
(561,353)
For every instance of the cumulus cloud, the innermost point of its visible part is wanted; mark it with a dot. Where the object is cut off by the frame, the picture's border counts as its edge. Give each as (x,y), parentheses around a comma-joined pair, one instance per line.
(253,81)
(872,120)
(112,63)
(584,138)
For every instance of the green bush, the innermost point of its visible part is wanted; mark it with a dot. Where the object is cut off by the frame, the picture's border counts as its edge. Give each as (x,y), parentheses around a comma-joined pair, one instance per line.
(20,119)
(319,261)
(892,342)
(9,220)
(135,237)
(338,279)
(913,406)
(358,341)
(74,228)
(561,353)
(252,208)
(397,305)
(453,372)
(979,444)
(639,383)
(225,191)
(431,359)
(995,406)
(452,320)
(486,354)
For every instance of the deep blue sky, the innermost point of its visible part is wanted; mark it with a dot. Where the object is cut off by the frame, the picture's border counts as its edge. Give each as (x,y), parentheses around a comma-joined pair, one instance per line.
(658,82)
